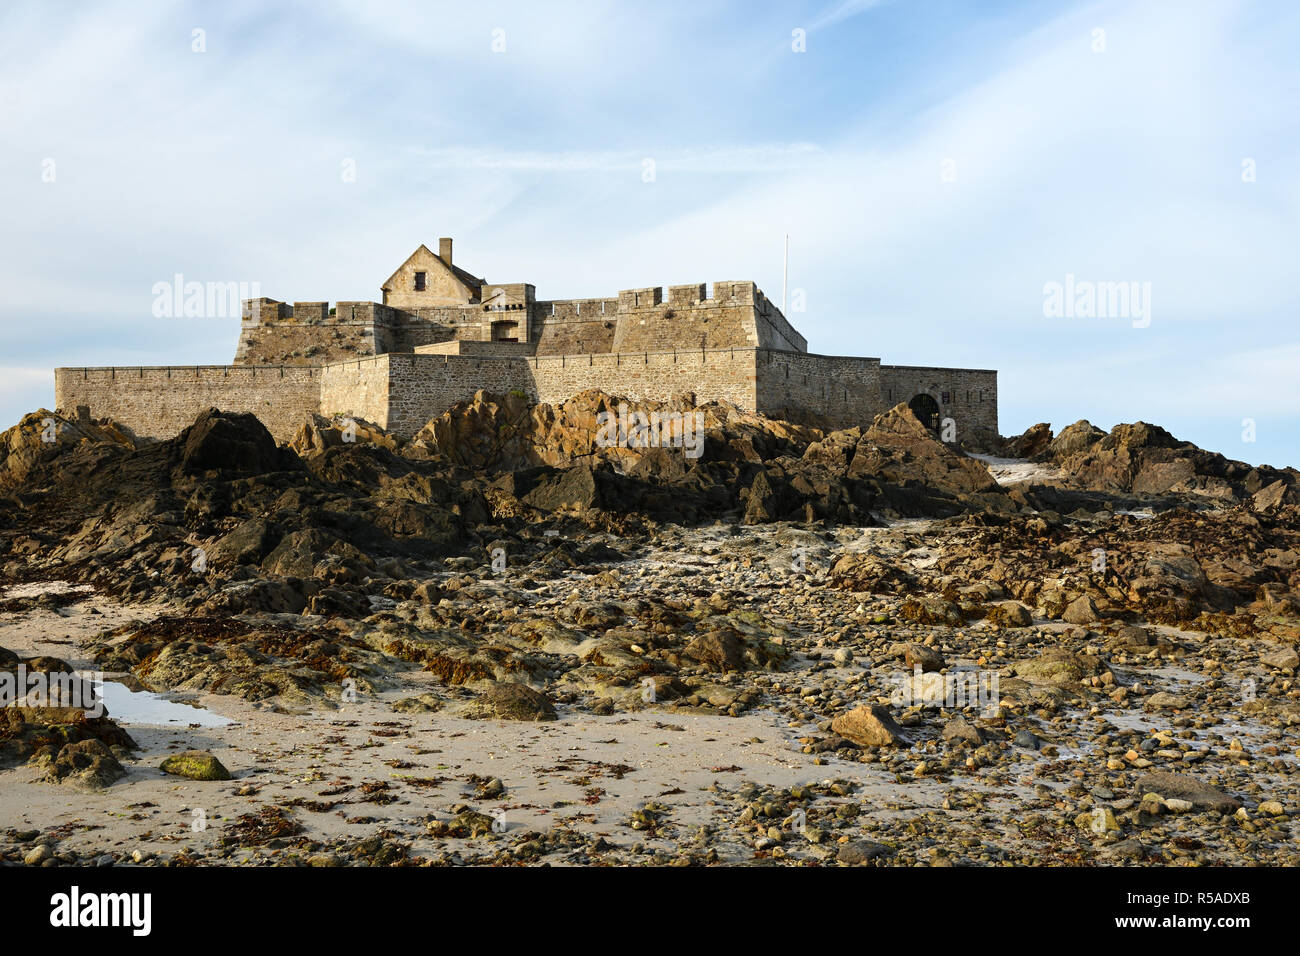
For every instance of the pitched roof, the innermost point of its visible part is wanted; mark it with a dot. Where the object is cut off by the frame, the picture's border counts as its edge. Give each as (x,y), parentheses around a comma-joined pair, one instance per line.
(469,280)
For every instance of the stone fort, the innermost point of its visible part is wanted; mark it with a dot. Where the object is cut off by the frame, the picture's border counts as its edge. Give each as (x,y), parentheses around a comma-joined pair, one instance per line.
(440,334)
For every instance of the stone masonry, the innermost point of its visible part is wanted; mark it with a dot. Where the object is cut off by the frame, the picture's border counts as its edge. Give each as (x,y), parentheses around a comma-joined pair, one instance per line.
(441,334)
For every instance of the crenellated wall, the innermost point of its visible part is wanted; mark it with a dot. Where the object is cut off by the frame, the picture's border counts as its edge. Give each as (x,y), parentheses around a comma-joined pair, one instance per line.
(733,315)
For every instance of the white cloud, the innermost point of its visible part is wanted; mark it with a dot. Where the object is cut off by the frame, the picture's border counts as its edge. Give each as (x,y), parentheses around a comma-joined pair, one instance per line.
(841,11)
(760,158)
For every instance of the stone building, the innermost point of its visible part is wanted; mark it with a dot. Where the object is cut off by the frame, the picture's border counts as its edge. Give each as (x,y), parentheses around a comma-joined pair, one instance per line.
(440,333)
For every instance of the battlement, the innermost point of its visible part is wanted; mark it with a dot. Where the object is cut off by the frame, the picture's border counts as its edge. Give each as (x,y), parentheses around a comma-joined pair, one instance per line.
(727,314)
(725,292)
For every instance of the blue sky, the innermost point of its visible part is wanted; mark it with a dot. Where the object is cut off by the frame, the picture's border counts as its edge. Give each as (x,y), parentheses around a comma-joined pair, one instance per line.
(935,164)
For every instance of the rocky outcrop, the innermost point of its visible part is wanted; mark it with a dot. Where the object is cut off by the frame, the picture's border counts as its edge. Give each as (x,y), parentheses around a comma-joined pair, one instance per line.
(318,434)
(1147,460)
(44,444)
(898,448)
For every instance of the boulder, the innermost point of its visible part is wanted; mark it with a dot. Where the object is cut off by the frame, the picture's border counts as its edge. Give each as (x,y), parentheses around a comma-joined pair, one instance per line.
(507,701)
(869,725)
(88,764)
(1178,786)
(196,765)
(860,852)
(1281,658)
(229,443)
(1082,610)
(573,487)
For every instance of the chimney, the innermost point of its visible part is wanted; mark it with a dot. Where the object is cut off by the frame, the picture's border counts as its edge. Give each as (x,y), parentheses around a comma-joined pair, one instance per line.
(444,250)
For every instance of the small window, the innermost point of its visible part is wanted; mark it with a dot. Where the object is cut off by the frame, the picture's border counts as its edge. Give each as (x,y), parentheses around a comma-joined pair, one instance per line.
(419,282)
(946,398)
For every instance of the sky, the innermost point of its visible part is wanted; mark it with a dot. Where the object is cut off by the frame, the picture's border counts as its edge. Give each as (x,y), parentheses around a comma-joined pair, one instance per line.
(937,167)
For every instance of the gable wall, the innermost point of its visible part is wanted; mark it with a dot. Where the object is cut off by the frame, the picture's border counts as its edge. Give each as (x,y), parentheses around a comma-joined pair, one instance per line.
(441,285)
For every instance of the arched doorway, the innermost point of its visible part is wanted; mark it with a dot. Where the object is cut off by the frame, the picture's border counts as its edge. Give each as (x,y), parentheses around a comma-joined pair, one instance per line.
(925,408)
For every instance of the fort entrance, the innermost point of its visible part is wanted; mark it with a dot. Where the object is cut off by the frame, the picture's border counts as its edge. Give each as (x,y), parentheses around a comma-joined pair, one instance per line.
(925,408)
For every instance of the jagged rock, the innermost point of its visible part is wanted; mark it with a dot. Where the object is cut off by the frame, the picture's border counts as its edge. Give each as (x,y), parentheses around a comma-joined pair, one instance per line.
(1272,496)
(248,543)
(1072,440)
(898,447)
(41,441)
(232,443)
(1034,441)
(318,434)
(1146,459)
(574,487)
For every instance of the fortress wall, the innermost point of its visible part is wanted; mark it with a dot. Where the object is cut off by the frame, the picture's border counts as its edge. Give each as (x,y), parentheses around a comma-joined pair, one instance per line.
(722,375)
(775,332)
(429,326)
(583,310)
(415,335)
(843,390)
(159,402)
(479,349)
(306,344)
(736,315)
(969,396)
(275,333)
(571,336)
(402,392)
(422,387)
(664,326)
(357,389)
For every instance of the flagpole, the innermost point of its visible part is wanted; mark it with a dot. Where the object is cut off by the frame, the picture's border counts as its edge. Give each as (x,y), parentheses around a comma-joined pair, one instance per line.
(785,272)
